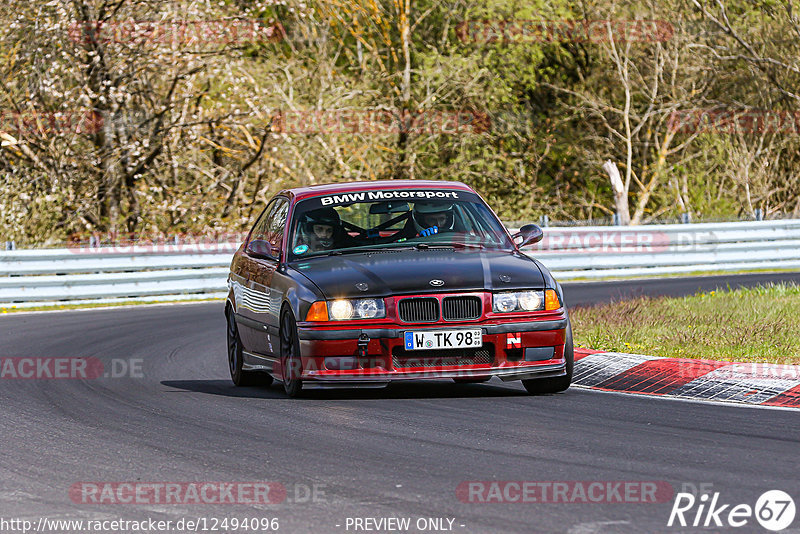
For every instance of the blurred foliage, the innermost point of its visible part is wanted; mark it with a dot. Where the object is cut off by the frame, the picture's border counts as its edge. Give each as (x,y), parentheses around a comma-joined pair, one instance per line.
(193,135)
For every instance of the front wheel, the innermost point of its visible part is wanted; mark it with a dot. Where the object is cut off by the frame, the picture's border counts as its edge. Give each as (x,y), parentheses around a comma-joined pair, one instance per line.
(540,386)
(290,356)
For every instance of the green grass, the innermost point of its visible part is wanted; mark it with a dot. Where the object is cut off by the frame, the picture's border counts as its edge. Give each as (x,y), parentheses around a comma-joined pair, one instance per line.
(760,324)
(678,275)
(89,305)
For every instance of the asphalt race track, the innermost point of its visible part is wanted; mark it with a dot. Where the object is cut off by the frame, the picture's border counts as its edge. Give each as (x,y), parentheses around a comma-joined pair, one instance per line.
(398,452)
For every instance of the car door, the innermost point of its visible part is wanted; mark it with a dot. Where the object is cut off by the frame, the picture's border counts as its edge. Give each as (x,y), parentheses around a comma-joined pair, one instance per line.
(257,318)
(274,235)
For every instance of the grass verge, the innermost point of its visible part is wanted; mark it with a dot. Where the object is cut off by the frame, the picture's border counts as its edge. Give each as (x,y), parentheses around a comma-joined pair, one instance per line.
(760,324)
(90,305)
(674,275)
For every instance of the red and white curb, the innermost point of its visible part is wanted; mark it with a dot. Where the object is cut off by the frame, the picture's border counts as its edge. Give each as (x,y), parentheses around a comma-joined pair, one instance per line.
(765,384)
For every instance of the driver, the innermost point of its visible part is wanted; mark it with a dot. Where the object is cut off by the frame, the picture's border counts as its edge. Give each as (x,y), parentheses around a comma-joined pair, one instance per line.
(321,229)
(432,217)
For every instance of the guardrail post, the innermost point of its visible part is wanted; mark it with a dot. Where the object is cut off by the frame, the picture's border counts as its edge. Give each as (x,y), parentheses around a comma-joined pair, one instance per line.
(759,214)
(544,221)
(686,218)
(10,245)
(616,220)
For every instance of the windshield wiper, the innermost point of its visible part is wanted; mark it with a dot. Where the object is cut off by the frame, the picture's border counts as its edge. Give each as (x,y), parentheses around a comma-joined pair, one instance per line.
(409,246)
(423,246)
(364,249)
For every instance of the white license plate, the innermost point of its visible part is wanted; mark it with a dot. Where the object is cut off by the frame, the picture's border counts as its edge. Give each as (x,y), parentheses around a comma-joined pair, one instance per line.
(443,339)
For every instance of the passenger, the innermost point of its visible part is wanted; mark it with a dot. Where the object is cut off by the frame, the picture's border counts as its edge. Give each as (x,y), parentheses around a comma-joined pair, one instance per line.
(428,218)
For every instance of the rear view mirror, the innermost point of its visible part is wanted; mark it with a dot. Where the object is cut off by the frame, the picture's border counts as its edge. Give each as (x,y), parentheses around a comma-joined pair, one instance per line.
(530,233)
(383,208)
(258,248)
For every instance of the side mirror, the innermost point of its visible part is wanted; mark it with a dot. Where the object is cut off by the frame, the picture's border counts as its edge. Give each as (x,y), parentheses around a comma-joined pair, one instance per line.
(530,233)
(258,248)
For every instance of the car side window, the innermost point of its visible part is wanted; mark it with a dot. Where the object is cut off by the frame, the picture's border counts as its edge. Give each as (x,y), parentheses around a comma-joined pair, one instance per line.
(271,224)
(276,224)
(260,227)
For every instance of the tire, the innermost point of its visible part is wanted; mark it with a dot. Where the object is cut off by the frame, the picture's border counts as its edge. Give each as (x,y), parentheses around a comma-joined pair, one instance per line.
(239,377)
(541,386)
(291,363)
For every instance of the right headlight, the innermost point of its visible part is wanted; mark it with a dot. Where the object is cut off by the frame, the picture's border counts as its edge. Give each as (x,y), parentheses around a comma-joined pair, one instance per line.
(522,301)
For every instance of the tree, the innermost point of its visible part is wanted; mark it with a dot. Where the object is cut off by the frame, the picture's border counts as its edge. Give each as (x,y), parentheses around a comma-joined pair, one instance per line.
(626,103)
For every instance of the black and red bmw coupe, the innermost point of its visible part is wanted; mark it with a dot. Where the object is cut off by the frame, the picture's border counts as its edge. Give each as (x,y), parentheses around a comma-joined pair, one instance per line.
(359,284)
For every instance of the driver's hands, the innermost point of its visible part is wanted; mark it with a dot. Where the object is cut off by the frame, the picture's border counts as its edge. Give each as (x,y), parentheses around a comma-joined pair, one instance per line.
(429,231)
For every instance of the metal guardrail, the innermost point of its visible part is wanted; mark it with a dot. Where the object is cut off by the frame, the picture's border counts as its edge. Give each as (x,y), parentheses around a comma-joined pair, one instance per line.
(196,270)
(630,251)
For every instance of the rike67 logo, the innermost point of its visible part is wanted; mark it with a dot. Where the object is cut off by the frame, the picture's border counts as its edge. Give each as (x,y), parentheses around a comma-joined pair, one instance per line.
(774,510)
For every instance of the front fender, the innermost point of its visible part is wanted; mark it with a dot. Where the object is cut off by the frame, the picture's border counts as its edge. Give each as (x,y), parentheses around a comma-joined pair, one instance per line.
(299,297)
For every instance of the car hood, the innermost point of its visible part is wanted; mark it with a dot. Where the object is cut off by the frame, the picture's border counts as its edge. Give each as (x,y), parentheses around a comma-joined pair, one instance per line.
(397,272)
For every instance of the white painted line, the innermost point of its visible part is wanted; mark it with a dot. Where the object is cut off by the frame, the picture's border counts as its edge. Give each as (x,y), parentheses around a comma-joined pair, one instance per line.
(657,398)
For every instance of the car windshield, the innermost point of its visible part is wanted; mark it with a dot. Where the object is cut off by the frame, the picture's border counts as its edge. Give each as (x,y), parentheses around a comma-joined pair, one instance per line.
(367,220)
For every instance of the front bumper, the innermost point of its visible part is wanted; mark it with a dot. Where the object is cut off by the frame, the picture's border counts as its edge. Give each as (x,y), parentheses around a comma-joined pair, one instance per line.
(373,355)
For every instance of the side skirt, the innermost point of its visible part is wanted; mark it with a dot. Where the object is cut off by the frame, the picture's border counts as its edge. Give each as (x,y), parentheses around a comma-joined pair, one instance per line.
(258,362)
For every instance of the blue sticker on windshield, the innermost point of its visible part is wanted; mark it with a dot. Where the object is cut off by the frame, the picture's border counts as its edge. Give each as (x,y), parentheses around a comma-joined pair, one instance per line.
(301,249)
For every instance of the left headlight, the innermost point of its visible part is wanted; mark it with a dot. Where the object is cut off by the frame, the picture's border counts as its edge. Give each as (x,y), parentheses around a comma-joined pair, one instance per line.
(345,309)
(522,301)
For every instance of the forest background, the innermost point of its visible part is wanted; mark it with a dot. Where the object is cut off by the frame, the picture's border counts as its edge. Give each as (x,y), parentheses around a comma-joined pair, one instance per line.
(144,118)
